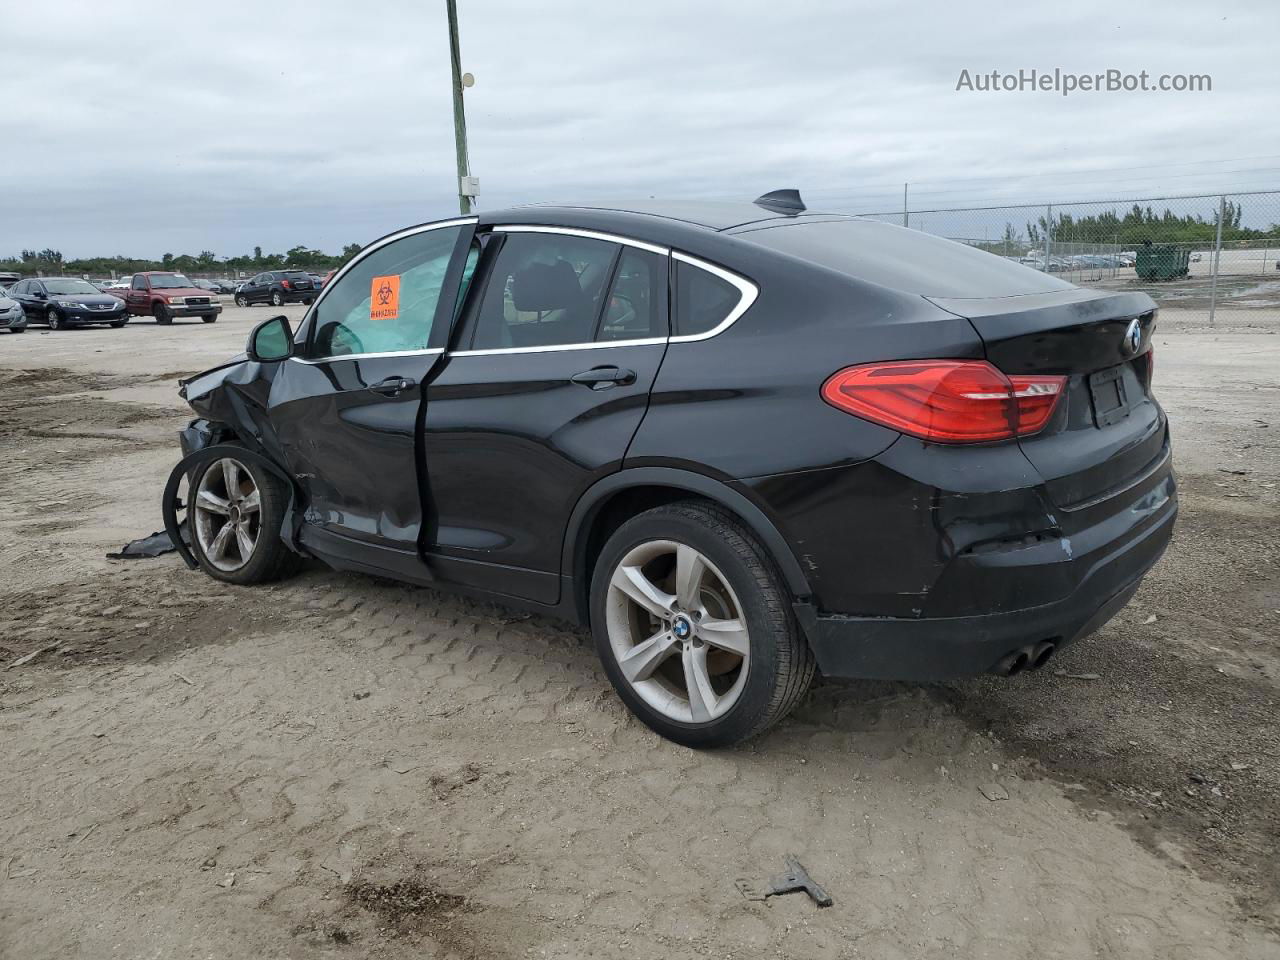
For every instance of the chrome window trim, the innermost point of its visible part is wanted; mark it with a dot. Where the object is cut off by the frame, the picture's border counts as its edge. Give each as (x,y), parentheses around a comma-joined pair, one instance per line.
(746,287)
(390,238)
(585,234)
(431,351)
(558,347)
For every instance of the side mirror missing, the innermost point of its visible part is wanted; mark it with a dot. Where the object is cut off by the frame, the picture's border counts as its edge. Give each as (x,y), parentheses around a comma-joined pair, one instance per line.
(271,340)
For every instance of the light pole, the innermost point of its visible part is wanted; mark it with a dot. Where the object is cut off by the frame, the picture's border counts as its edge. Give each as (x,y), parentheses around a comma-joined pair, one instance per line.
(467,184)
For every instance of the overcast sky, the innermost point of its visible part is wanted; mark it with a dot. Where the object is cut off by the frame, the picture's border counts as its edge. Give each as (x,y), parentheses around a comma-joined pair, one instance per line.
(137,128)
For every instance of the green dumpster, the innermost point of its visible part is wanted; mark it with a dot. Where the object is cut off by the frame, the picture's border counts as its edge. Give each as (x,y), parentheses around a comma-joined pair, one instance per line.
(1162,261)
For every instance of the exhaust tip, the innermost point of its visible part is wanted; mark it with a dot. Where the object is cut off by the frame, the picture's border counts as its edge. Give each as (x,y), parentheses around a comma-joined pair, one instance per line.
(1012,663)
(1041,653)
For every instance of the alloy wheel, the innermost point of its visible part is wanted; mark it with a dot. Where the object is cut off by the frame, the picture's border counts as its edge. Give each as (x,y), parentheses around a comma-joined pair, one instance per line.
(55,320)
(228,514)
(277,300)
(241,301)
(677,631)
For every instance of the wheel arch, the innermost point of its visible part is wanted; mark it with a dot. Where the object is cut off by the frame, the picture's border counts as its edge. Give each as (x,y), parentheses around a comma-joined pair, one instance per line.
(622,495)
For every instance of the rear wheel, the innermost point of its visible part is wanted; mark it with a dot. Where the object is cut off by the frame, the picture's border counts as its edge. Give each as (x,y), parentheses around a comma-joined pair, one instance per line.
(694,626)
(234,518)
(277,299)
(161,313)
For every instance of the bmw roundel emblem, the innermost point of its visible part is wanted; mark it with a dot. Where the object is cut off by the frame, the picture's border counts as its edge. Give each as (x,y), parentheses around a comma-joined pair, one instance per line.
(681,628)
(1133,337)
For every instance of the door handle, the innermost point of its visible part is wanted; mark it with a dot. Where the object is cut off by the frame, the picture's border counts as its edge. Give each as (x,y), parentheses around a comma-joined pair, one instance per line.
(393,386)
(601,378)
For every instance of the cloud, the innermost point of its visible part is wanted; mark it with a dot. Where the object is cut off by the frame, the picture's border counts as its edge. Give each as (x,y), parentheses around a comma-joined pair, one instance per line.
(142,130)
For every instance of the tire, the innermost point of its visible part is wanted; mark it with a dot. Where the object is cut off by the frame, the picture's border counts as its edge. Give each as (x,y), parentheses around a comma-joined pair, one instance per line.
(277,300)
(56,320)
(17,329)
(241,300)
(308,302)
(212,319)
(739,584)
(161,313)
(268,558)
(117,324)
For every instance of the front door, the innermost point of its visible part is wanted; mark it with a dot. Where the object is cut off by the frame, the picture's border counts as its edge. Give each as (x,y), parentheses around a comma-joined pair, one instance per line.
(539,398)
(345,409)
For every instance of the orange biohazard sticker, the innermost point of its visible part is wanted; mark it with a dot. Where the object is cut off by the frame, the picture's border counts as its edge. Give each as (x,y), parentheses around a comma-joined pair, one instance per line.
(384,298)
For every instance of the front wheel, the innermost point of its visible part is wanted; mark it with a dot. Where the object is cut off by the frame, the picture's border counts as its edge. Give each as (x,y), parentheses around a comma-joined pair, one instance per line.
(161,313)
(241,300)
(234,519)
(118,323)
(56,320)
(212,319)
(694,626)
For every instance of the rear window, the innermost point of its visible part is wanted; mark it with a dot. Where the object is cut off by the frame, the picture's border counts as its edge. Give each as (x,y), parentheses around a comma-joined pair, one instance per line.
(904,259)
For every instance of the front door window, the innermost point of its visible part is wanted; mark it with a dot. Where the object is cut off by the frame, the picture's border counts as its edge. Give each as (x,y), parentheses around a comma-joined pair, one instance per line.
(386,302)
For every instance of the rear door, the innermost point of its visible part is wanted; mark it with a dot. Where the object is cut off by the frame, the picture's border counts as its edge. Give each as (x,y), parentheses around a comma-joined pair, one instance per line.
(563,334)
(345,409)
(19,292)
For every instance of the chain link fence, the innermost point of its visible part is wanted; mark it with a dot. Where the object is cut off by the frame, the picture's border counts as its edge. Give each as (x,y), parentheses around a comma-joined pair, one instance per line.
(1203,259)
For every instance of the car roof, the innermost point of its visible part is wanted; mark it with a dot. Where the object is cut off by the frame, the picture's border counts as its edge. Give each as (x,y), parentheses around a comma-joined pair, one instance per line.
(711,214)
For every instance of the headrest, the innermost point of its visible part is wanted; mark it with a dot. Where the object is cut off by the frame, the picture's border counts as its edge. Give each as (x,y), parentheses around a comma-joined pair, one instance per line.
(545,286)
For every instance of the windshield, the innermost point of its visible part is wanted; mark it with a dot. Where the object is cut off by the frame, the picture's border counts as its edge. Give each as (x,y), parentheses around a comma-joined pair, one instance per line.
(63,287)
(168,281)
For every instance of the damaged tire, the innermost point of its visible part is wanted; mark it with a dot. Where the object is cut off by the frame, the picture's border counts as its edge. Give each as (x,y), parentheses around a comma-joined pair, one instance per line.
(234,517)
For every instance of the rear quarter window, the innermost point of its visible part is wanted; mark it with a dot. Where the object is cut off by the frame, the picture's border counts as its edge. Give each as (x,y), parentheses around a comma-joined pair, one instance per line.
(703,300)
(904,259)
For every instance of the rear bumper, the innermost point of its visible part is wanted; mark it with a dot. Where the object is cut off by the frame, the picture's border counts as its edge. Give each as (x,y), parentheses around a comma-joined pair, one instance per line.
(940,648)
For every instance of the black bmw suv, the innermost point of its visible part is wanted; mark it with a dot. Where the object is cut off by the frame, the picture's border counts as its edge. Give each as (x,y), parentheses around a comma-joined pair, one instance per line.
(741,442)
(277,287)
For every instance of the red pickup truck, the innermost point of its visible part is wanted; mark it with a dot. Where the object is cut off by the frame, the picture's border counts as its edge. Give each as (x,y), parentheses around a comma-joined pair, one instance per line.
(168,295)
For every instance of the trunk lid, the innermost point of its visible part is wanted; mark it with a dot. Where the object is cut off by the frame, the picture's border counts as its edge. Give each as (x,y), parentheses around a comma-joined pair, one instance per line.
(1107,432)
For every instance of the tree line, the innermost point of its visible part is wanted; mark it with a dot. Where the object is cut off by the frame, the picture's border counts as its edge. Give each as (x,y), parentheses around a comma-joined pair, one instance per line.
(49,261)
(1140,224)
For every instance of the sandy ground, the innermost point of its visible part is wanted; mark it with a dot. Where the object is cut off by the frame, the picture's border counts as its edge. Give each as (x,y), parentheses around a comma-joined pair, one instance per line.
(341,766)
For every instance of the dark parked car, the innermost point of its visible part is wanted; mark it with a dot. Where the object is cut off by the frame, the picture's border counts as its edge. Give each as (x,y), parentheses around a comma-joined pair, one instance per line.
(12,317)
(63,302)
(212,286)
(277,287)
(739,441)
(9,279)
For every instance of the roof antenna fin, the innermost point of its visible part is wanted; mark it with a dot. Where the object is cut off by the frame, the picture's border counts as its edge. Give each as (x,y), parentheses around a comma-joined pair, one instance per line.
(786,202)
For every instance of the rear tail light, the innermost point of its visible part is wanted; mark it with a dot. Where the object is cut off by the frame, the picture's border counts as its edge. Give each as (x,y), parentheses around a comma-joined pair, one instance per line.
(285,284)
(946,401)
